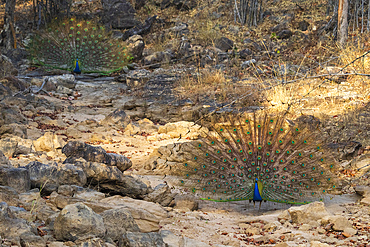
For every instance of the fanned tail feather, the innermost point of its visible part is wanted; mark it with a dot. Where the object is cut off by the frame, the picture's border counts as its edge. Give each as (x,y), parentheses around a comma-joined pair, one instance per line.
(288,161)
(68,40)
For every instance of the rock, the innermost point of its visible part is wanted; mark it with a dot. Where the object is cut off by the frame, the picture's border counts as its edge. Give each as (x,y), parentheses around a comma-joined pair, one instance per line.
(182,129)
(12,227)
(13,129)
(138,239)
(140,29)
(90,195)
(9,195)
(224,44)
(49,142)
(306,213)
(94,242)
(30,239)
(8,146)
(61,201)
(363,191)
(119,14)
(50,177)
(76,149)
(10,114)
(117,222)
(179,30)
(17,178)
(186,202)
(247,64)
(110,179)
(146,214)
(303,25)
(245,53)
(339,223)
(6,67)
(318,244)
(65,80)
(184,4)
(117,118)
(4,161)
(135,47)
(284,34)
(157,58)
(77,221)
(161,194)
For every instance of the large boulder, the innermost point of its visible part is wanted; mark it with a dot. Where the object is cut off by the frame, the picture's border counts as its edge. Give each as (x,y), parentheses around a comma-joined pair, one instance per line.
(17,178)
(77,149)
(78,221)
(119,14)
(118,221)
(51,176)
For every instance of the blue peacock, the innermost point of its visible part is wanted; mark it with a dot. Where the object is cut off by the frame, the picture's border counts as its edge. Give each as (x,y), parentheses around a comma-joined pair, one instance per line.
(259,157)
(78,46)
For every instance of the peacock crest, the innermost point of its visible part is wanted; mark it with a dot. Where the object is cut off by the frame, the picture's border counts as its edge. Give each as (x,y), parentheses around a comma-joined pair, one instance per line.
(78,46)
(259,157)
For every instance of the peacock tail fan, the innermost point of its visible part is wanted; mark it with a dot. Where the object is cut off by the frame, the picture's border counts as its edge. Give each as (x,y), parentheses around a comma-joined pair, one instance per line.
(66,42)
(259,157)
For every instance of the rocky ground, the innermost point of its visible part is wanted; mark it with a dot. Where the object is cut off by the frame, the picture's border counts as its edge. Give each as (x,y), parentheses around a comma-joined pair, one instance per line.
(83,166)
(87,160)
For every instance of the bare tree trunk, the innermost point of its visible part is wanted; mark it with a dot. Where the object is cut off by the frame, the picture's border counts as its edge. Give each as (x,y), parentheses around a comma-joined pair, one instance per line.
(9,41)
(342,22)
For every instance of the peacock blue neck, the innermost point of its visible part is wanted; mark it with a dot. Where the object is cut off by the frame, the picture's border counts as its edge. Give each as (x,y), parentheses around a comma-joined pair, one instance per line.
(77,68)
(257,188)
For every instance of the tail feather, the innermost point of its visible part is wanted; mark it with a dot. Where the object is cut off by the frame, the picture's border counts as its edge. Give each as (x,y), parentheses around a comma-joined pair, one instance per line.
(287,160)
(68,40)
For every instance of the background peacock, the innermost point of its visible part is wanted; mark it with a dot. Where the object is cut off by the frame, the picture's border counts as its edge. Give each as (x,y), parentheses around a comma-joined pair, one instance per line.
(259,157)
(78,46)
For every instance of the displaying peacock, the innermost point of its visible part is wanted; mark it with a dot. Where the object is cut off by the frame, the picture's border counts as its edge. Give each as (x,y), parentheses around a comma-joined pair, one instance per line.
(78,46)
(259,157)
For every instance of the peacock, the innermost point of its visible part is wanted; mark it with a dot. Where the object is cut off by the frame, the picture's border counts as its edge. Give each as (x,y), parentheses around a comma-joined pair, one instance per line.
(259,157)
(78,46)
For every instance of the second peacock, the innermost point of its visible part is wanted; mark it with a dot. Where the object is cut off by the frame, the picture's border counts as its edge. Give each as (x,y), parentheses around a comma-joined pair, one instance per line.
(259,157)
(78,46)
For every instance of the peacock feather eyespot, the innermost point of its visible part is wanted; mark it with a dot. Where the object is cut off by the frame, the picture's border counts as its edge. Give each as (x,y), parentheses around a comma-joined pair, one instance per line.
(281,129)
(277,151)
(248,132)
(280,141)
(264,164)
(258,126)
(218,151)
(245,160)
(270,133)
(259,147)
(229,151)
(267,154)
(247,120)
(226,140)
(253,163)
(250,152)
(259,157)
(240,151)
(305,142)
